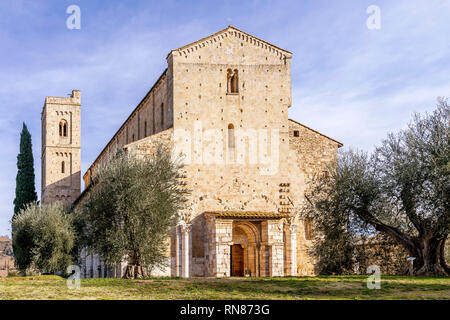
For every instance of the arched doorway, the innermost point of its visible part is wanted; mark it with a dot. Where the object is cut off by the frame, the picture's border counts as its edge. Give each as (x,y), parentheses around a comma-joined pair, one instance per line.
(245,249)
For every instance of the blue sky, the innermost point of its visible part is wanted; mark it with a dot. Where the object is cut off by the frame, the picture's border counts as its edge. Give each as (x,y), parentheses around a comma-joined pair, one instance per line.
(349,82)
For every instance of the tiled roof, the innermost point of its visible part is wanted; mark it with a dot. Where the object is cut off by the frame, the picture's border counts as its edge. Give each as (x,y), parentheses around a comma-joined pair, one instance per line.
(248,214)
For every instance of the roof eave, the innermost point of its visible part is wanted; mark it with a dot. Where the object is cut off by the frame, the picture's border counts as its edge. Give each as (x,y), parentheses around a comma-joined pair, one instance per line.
(340,144)
(289,54)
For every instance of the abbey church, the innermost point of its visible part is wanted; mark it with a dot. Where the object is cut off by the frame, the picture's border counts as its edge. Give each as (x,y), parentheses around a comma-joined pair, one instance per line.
(223,102)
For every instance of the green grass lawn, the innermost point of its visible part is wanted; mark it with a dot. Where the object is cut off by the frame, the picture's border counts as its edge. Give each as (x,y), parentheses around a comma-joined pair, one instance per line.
(323,287)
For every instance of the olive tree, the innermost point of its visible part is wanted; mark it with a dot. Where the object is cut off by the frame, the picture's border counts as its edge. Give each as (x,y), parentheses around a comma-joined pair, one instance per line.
(43,238)
(130,208)
(402,190)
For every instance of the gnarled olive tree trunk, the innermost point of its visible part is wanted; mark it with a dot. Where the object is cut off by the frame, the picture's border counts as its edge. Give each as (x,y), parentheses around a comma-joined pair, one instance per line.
(429,260)
(135,269)
(135,272)
(427,249)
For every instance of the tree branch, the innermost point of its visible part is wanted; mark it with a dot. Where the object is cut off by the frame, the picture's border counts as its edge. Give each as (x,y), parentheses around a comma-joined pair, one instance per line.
(393,232)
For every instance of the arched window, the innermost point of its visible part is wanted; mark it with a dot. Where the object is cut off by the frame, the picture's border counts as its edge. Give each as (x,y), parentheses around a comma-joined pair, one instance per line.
(63,167)
(232,81)
(231,136)
(162,116)
(235,82)
(63,128)
(308,229)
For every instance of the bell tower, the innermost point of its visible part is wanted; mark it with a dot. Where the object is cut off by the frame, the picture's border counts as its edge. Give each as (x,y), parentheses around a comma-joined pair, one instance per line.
(61,149)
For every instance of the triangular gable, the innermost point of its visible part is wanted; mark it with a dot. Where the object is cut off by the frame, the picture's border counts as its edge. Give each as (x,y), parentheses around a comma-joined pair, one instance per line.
(231,31)
(340,144)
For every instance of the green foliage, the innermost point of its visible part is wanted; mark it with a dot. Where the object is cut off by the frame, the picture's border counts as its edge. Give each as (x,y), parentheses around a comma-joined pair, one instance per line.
(131,207)
(25,188)
(333,249)
(402,190)
(13,273)
(43,238)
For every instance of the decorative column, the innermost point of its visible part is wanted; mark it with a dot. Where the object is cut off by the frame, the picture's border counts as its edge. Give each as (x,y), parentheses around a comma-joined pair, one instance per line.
(264,265)
(258,259)
(103,268)
(185,249)
(91,265)
(83,256)
(293,229)
(95,264)
(178,251)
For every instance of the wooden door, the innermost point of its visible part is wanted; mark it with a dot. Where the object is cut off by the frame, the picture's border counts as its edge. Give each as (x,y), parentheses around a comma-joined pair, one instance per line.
(237,260)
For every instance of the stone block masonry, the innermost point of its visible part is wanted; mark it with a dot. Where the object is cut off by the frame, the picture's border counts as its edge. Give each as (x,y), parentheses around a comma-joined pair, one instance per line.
(223,103)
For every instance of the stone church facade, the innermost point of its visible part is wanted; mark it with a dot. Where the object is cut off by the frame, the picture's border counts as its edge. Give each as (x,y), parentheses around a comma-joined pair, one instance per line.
(223,104)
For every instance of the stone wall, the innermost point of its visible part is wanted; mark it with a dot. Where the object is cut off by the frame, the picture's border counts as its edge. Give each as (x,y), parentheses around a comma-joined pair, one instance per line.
(147,146)
(219,250)
(152,115)
(310,153)
(203,106)
(265,167)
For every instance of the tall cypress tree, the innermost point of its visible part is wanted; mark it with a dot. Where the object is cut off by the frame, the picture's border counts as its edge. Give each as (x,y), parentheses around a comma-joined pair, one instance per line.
(25,188)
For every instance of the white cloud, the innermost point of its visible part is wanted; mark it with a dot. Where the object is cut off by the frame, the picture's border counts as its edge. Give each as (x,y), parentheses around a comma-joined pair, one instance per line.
(375,84)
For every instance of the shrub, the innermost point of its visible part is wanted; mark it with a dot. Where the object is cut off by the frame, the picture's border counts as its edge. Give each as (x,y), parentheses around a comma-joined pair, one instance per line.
(43,238)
